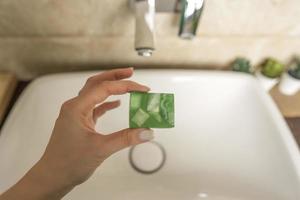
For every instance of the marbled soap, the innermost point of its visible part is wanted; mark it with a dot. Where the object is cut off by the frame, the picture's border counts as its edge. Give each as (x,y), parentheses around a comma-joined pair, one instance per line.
(151,110)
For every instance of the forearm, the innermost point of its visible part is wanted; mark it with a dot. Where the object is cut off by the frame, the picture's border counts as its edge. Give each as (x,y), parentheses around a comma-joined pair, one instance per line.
(75,148)
(37,184)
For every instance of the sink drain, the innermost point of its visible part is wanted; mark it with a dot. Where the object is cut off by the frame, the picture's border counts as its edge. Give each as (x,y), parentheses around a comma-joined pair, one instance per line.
(147,158)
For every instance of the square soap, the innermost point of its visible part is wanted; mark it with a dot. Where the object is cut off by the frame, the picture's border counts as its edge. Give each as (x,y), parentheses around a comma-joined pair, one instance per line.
(151,110)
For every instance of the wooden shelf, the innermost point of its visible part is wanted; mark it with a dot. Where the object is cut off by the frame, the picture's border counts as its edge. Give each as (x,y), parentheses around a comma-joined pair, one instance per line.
(8,83)
(288,105)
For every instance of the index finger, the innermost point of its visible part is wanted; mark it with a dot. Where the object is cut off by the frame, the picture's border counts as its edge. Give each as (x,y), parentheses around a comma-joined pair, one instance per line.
(111,75)
(102,91)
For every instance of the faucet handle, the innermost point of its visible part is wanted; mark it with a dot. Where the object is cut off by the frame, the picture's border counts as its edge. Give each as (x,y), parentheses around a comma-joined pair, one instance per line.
(191,11)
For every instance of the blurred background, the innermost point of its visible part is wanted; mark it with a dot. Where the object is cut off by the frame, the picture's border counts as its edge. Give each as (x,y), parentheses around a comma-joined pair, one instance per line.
(46,36)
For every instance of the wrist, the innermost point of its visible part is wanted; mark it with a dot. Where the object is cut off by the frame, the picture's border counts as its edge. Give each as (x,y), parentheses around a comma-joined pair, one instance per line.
(41,184)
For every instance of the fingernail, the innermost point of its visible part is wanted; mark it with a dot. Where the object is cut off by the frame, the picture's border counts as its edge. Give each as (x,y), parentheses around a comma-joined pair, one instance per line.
(146,135)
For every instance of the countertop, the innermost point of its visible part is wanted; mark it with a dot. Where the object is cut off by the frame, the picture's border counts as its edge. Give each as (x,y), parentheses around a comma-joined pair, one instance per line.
(290,108)
(288,105)
(294,124)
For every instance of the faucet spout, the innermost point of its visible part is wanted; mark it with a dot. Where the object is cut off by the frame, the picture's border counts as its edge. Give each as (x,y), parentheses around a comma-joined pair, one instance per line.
(144,27)
(190,15)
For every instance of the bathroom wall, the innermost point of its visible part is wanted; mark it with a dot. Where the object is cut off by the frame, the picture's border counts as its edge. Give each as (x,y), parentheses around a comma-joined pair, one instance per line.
(47,36)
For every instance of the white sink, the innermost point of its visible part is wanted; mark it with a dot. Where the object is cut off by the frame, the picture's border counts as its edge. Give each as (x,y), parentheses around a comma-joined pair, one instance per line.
(229,142)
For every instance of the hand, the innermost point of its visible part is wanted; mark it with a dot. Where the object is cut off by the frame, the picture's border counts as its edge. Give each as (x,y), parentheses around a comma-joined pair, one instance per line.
(75,149)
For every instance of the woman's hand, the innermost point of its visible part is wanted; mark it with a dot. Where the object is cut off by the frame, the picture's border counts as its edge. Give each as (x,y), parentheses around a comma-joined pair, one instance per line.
(75,149)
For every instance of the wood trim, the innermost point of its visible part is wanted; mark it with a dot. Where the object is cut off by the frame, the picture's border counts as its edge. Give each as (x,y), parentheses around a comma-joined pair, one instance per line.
(288,105)
(8,83)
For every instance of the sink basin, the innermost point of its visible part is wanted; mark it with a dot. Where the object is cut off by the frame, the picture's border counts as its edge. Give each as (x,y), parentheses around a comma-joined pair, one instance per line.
(229,142)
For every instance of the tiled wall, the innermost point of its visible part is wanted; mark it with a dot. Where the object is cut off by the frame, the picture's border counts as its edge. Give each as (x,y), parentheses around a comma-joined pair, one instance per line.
(42,36)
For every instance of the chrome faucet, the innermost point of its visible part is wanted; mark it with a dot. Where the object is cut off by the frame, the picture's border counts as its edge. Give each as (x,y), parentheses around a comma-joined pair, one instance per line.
(145,13)
(190,14)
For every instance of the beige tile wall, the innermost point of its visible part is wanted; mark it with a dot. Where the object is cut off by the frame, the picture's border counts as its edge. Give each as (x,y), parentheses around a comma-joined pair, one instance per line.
(47,36)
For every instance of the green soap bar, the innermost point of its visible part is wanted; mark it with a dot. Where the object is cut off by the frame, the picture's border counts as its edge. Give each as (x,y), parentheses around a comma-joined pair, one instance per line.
(151,110)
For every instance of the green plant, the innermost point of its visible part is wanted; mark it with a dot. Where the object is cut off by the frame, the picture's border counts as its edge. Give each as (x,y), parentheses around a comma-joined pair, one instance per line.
(272,68)
(294,68)
(242,65)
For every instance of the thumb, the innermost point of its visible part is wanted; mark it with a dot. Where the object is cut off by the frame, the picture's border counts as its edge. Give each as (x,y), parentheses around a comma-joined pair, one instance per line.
(127,137)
